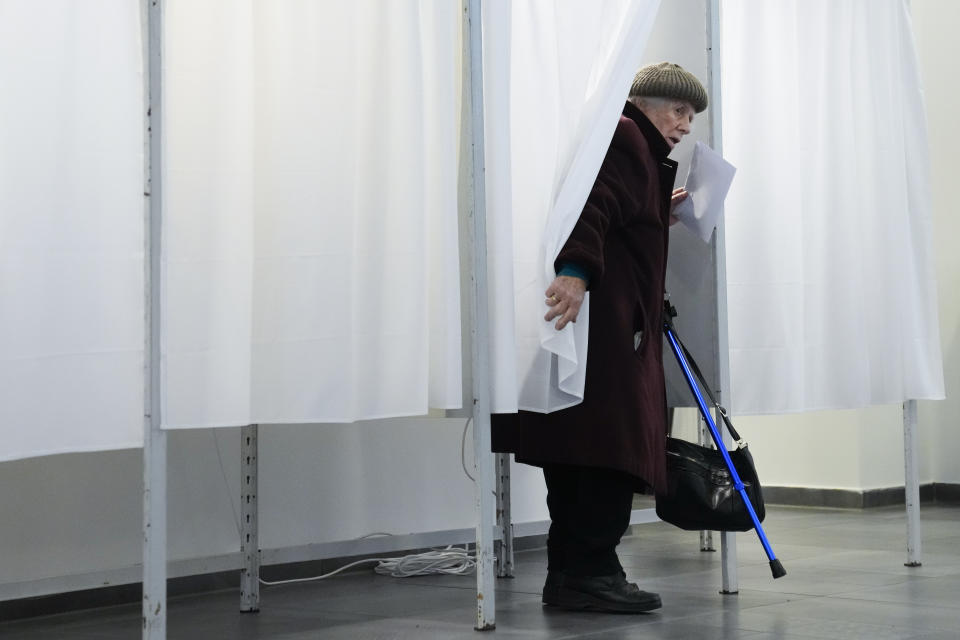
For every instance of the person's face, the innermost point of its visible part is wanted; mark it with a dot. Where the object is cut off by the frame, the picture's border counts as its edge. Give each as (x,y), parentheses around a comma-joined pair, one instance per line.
(672,118)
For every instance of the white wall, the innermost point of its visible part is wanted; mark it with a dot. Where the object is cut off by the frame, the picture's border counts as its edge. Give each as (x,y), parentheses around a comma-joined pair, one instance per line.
(830,449)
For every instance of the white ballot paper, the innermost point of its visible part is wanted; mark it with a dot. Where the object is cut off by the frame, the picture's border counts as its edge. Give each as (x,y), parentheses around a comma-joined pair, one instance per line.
(708,181)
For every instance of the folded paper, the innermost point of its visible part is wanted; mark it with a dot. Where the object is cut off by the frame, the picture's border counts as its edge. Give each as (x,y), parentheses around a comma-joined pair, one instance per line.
(708,181)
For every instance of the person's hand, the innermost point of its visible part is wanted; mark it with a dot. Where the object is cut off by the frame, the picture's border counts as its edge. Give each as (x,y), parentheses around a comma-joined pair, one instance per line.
(679,195)
(564,297)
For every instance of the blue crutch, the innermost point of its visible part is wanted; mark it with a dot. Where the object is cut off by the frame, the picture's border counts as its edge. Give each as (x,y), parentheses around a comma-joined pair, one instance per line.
(679,350)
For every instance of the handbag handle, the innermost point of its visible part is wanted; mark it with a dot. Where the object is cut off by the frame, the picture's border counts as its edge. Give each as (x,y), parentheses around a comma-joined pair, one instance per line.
(669,313)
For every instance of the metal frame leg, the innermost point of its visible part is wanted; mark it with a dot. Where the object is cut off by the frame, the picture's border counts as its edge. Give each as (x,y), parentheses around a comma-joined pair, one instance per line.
(728,540)
(154,609)
(504,547)
(484,492)
(704,439)
(249,523)
(911,483)
(486,484)
(154,605)
(729,581)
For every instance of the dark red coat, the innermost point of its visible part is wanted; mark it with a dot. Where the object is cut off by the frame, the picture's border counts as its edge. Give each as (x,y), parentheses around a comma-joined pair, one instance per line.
(621,241)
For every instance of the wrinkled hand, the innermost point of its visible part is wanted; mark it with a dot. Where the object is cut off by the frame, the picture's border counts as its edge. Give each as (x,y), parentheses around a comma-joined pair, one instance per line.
(679,195)
(564,297)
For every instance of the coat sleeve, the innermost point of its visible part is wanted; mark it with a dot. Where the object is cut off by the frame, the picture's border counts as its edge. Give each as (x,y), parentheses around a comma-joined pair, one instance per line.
(612,202)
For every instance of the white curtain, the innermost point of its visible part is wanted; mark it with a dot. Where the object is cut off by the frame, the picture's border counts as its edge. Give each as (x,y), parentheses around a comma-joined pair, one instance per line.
(310,267)
(831,292)
(71,227)
(311,270)
(552,103)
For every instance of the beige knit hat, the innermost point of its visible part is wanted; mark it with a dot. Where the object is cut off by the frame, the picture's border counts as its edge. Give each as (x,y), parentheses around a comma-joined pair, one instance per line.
(668,80)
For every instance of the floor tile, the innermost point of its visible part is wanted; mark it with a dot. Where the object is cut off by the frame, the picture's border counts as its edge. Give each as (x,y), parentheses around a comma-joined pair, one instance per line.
(933,592)
(847,618)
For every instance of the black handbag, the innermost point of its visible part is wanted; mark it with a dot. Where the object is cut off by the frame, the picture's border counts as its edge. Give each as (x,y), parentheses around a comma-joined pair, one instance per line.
(701,495)
(700,492)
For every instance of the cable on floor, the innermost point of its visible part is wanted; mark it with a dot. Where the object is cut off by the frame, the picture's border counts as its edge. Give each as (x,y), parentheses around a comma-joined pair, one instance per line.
(449,561)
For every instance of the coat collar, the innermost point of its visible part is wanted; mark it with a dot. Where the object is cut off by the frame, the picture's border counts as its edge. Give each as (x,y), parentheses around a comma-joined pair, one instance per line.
(658,145)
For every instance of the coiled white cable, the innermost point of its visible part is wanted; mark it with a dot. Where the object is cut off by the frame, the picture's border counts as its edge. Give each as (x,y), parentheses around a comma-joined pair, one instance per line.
(450,561)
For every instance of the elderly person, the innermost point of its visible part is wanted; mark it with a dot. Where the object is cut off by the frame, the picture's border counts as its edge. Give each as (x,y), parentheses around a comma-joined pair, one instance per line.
(597,454)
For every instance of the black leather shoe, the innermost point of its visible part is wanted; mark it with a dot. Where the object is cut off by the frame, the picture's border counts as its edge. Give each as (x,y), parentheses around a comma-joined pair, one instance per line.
(611,594)
(551,587)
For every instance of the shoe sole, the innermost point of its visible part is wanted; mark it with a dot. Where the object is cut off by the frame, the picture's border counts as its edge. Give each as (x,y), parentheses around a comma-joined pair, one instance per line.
(579,601)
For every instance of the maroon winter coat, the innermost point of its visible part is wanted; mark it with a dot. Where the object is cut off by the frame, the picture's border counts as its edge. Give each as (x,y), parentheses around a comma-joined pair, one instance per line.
(621,241)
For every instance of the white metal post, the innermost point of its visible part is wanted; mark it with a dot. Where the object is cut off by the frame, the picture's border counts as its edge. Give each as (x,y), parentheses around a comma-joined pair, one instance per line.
(730,582)
(911,483)
(704,439)
(249,523)
(728,540)
(154,438)
(485,484)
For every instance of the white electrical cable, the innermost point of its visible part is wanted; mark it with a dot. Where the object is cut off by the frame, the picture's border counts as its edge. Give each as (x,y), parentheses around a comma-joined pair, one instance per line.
(450,561)
(324,576)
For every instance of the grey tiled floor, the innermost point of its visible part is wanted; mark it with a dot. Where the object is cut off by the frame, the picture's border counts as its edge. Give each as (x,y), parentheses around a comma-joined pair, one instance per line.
(845,579)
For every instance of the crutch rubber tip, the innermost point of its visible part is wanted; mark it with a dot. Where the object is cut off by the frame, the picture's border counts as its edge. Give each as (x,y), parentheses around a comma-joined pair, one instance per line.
(777,569)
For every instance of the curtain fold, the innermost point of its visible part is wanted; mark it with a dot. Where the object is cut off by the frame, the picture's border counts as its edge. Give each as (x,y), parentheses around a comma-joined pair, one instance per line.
(71,227)
(553,104)
(831,288)
(311,256)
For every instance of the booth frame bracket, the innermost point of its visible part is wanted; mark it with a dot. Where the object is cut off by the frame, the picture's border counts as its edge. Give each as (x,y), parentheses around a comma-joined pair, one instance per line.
(249,520)
(504,546)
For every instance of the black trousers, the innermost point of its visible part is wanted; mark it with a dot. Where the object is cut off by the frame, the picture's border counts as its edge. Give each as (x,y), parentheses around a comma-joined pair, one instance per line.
(589,513)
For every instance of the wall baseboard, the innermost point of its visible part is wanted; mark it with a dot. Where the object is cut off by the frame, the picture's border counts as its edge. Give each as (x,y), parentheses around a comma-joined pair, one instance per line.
(947,493)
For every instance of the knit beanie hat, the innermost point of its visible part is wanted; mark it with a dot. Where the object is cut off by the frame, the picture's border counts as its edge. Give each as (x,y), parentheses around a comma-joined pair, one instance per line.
(668,80)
